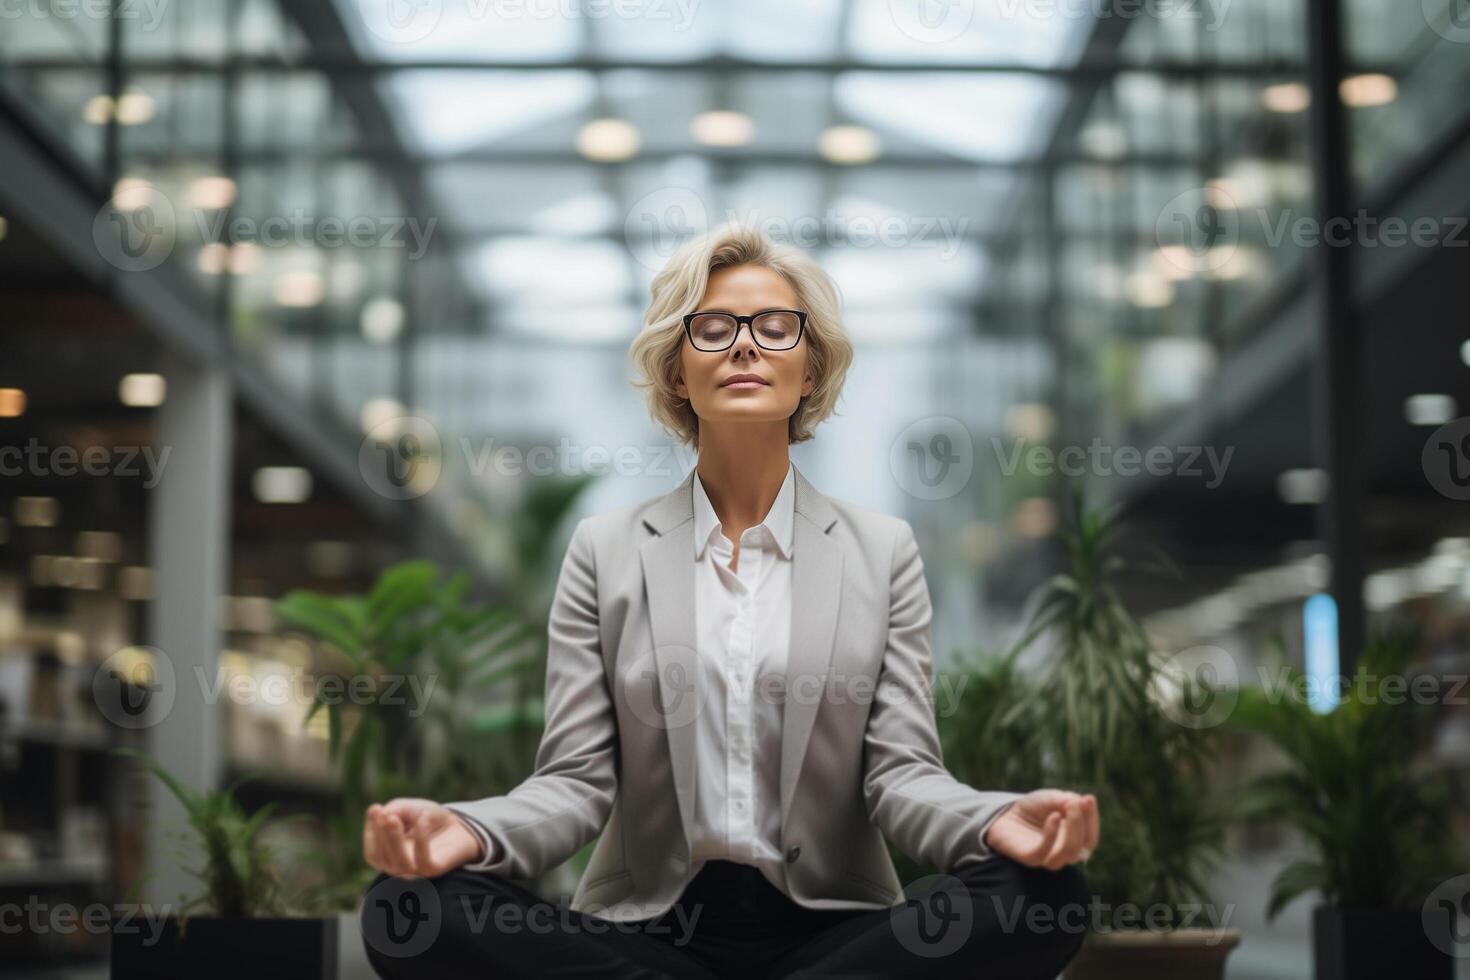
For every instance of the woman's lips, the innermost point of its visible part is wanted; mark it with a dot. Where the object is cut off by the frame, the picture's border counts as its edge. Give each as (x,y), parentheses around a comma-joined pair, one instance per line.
(746,384)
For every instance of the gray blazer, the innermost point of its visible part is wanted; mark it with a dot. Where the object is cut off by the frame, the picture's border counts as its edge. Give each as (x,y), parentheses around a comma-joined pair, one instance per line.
(860,757)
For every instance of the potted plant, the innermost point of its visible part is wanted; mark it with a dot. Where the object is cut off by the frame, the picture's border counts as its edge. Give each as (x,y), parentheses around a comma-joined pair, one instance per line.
(452,706)
(245,925)
(1101,706)
(1376,817)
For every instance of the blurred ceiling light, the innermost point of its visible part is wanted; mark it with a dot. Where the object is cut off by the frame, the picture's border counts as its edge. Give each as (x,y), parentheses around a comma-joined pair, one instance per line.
(377,411)
(1107,141)
(142,390)
(37,511)
(1229,263)
(214,259)
(4,228)
(1429,409)
(1287,97)
(608,140)
(1149,291)
(1034,517)
(12,403)
(135,665)
(244,258)
(722,127)
(1368,91)
(135,583)
(1176,262)
(1303,486)
(299,290)
(65,571)
(281,484)
(1465,353)
(1032,421)
(133,193)
(849,145)
(91,574)
(98,110)
(1224,193)
(101,545)
(253,613)
(135,108)
(211,193)
(382,320)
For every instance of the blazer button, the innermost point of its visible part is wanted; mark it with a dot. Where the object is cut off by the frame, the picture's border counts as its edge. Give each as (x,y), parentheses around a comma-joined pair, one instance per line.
(793,854)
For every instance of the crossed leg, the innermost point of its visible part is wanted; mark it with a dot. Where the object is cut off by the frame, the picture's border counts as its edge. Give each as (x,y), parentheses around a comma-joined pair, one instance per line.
(470,925)
(991,919)
(995,919)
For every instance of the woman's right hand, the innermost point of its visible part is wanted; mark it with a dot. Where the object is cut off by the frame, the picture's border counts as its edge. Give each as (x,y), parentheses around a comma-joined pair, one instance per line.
(417,837)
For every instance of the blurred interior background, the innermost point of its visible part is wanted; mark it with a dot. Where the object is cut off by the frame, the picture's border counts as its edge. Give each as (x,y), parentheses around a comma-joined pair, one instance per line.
(293,293)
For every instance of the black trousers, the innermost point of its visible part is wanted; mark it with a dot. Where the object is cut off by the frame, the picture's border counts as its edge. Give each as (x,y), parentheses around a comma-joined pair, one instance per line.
(995,919)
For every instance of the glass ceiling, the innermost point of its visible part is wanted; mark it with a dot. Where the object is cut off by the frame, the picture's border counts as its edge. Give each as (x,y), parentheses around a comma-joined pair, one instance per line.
(479,131)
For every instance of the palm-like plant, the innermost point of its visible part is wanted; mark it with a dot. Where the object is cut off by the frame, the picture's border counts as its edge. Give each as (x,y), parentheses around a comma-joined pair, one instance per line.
(238,876)
(1376,822)
(419,659)
(1107,732)
(992,738)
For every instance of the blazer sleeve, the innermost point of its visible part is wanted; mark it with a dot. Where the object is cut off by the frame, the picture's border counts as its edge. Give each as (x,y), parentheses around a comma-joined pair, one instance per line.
(927,813)
(566,801)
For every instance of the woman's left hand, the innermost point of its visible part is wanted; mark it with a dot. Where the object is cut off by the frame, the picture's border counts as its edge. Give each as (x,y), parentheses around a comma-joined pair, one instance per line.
(1047,828)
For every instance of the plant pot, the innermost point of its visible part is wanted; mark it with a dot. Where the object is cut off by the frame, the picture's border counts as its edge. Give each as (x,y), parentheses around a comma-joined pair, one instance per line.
(1369,944)
(225,949)
(1179,954)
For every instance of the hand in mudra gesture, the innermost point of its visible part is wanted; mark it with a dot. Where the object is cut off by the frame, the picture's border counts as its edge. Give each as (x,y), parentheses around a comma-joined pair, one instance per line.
(416,837)
(1047,828)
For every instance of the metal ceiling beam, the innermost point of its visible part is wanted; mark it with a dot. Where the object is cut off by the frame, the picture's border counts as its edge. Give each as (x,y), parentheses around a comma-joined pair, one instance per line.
(910,164)
(345,65)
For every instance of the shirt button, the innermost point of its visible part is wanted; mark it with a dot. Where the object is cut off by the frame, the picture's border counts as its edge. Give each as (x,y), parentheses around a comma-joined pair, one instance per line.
(793,854)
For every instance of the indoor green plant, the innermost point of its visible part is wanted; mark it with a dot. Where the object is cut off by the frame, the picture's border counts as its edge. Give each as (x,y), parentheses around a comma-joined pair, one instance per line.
(1098,707)
(244,924)
(1375,815)
(475,733)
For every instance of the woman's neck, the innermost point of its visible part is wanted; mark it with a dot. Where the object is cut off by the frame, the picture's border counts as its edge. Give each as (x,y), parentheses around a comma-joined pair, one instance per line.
(742,468)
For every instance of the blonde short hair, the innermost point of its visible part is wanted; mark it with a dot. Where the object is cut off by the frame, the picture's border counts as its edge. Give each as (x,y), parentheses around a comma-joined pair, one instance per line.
(681,284)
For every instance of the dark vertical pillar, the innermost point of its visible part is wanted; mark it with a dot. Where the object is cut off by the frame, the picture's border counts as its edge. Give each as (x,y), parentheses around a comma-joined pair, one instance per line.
(1339,379)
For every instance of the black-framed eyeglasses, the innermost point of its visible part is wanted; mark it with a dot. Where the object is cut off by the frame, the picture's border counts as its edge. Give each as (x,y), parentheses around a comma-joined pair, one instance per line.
(770,329)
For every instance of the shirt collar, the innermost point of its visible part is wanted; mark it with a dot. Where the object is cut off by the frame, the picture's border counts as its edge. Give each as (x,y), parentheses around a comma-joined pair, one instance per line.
(780,520)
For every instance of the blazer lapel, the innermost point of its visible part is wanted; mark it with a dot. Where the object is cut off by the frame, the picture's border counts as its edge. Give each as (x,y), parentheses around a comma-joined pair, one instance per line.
(816,588)
(668,576)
